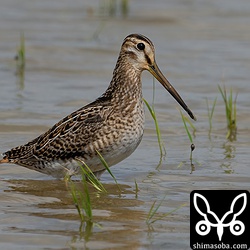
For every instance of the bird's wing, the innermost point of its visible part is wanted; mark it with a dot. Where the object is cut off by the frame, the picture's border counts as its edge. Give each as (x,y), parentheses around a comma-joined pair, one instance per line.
(67,137)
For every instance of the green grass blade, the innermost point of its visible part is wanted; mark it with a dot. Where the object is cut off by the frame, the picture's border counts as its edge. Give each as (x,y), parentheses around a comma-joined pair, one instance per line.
(223,94)
(150,109)
(186,128)
(86,172)
(75,194)
(230,107)
(167,214)
(21,61)
(157,128)
(151,213)
(214,103)
(136,187)
(86,202)
(153,210)
(190,124)
(105,164)
(192,146)
(81,198)
(210,113)
(235,111)
(151,218)
(21,52)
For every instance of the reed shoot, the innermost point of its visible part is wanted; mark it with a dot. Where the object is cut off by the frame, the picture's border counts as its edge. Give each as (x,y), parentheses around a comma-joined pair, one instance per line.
(192,146)
(158,132)
(81,199)
(230,108)
(81,196)
(136,189)
(210,114)
(157,128)
(152,215)
(185,120)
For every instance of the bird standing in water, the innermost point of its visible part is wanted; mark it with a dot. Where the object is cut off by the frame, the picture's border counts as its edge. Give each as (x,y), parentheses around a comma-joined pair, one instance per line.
(112,125)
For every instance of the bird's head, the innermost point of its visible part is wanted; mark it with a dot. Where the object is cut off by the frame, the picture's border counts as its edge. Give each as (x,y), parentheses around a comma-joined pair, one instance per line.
(140,53)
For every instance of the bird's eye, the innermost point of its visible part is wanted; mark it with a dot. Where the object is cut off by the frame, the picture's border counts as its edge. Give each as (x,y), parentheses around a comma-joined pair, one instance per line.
(141,46)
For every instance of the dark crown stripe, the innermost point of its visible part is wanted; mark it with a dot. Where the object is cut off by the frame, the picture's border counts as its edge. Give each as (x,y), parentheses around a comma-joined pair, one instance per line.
(140,37)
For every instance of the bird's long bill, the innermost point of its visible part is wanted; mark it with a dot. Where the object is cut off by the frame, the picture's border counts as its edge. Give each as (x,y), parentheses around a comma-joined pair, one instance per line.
(155,71)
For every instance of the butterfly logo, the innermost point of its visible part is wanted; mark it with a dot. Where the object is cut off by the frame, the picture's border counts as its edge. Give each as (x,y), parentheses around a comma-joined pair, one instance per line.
(203,227)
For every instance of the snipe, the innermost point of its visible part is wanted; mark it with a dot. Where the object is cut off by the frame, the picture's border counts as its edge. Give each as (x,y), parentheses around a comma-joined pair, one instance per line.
(113,124)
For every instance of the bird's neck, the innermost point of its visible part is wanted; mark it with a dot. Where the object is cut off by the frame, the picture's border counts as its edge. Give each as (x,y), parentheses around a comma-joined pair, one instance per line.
(126,82)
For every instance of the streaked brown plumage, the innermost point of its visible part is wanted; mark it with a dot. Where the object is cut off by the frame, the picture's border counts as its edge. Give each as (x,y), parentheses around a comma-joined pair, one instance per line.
(113,124)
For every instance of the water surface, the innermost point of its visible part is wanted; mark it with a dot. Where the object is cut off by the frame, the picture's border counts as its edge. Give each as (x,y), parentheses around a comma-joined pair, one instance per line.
(71,51)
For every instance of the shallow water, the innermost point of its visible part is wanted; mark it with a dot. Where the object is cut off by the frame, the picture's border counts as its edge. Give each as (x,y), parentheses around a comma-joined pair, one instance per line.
(71,52)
